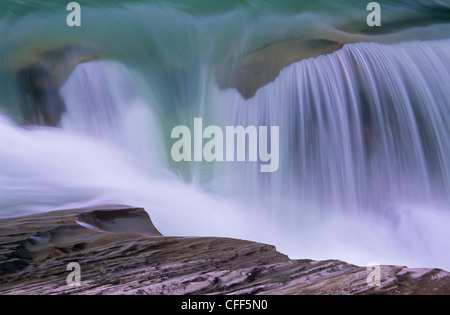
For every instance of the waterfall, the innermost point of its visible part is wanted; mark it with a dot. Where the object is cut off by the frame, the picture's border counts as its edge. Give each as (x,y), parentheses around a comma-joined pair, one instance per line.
(102,102)
(365,127)
(364,136)
(109,149)
(363,176)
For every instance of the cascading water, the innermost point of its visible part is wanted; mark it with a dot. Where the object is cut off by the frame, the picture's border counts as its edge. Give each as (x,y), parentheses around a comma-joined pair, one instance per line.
(102,102)
(361,146)
(364,173)
(353,134)
(106,151)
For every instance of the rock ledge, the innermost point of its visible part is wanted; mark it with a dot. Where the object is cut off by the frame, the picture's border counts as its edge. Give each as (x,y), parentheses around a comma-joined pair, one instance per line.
(121,252)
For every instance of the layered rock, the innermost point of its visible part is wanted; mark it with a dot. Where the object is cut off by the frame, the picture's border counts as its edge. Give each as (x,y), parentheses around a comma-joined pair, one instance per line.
(120,252)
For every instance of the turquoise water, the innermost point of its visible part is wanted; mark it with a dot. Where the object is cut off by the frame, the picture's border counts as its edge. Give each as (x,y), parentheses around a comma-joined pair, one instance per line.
(364,139)
(159,37)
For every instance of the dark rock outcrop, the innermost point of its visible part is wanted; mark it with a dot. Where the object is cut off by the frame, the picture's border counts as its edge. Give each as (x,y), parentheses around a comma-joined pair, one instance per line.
(121,252)
(40,75)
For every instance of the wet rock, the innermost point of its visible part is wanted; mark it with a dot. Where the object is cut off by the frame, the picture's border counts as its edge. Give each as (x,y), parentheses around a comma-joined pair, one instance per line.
(36,250)
(260,67)
(39,76)
(119,221)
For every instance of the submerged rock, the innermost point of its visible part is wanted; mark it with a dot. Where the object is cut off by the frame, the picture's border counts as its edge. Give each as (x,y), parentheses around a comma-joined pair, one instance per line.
(120,252)
(260,67)
(39,76)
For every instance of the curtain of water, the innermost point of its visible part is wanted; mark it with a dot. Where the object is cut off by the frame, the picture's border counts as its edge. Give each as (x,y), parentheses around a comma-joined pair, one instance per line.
(364,147)
(364,127)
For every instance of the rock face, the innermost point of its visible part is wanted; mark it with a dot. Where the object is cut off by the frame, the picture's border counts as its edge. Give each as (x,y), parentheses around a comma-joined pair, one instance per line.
(120,252)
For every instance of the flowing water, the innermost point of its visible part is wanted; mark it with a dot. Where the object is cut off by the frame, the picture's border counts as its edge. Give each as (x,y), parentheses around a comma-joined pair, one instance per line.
(364,147)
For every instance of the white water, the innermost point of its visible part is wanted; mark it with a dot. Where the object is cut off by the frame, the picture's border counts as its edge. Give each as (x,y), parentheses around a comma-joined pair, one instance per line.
(335,196)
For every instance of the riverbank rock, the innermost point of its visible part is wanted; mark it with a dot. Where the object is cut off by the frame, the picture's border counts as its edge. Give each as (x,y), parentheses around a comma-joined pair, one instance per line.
(119,251)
